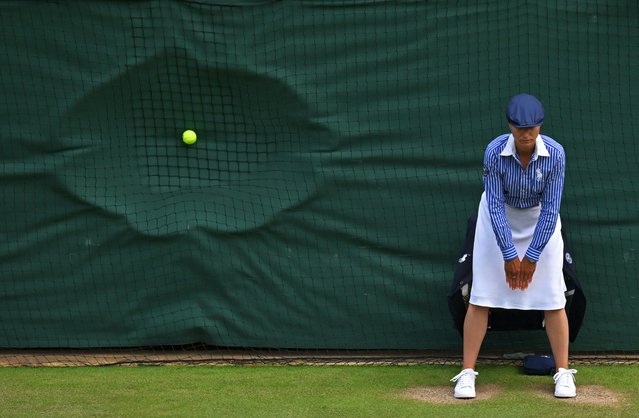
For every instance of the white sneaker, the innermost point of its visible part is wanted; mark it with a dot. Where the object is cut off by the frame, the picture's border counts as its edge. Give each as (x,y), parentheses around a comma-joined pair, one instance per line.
(565,383)
(465,388)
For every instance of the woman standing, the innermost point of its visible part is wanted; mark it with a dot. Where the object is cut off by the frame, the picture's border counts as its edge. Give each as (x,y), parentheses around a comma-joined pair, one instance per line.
(518,249)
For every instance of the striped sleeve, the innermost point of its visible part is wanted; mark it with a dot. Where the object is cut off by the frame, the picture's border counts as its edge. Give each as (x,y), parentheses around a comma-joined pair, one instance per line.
(550,204)
(495,198)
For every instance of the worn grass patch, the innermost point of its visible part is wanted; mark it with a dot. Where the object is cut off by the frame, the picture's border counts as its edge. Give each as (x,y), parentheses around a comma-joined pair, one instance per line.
(444,394)
(586,394)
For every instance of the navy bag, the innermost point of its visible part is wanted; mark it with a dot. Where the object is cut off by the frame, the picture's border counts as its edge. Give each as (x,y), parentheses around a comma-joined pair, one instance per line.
(539,365)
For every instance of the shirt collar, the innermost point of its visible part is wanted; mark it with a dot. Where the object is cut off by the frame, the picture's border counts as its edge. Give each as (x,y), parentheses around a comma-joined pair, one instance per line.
(540,148)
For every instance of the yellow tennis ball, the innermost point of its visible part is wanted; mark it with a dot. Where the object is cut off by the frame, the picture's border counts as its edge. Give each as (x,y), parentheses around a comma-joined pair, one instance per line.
(189,137)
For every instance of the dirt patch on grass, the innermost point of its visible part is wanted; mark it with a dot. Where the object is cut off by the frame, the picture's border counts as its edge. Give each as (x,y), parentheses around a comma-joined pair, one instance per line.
(444,394)
(586,394)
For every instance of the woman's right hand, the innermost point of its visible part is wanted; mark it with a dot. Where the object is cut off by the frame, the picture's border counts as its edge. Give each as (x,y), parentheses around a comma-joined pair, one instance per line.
(511,267)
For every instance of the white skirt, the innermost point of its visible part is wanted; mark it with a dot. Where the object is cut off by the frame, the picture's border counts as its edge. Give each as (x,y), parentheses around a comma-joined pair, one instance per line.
(489,288)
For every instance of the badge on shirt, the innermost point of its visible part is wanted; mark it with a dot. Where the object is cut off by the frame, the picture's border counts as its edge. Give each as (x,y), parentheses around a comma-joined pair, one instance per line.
(486,170)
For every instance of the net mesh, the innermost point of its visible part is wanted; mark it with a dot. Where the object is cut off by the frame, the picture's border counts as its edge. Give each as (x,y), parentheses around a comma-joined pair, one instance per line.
(321,211)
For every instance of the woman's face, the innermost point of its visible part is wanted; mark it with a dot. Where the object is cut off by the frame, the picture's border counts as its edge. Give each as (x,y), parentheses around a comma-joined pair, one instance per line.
(525,138)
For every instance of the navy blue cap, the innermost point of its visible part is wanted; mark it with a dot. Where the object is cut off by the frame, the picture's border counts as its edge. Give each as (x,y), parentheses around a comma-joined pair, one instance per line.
(524,111)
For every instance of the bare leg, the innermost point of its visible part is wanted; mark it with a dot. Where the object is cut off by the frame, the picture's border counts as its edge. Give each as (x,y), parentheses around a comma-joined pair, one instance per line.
(475,325)
(557,330)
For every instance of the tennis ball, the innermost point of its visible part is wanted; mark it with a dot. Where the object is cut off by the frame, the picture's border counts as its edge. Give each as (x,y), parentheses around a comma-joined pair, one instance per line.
(189,137)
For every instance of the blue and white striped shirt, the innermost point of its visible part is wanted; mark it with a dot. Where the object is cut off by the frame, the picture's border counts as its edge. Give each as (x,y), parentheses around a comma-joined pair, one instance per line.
(506,182)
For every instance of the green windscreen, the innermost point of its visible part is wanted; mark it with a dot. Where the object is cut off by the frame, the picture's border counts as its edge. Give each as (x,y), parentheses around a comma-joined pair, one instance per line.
(338,157)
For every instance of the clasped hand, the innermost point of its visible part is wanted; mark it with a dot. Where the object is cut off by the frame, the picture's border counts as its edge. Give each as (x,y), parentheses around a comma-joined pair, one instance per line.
(519,273)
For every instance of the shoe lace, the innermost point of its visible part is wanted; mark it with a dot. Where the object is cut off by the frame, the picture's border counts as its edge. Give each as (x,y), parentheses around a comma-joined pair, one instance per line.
(564,375)
(465,376)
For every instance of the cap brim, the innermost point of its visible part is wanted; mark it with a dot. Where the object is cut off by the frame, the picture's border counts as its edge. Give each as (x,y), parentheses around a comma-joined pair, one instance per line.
(527,125)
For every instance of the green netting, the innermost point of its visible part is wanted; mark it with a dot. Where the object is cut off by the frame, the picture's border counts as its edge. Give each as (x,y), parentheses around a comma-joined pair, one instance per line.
(339,154)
